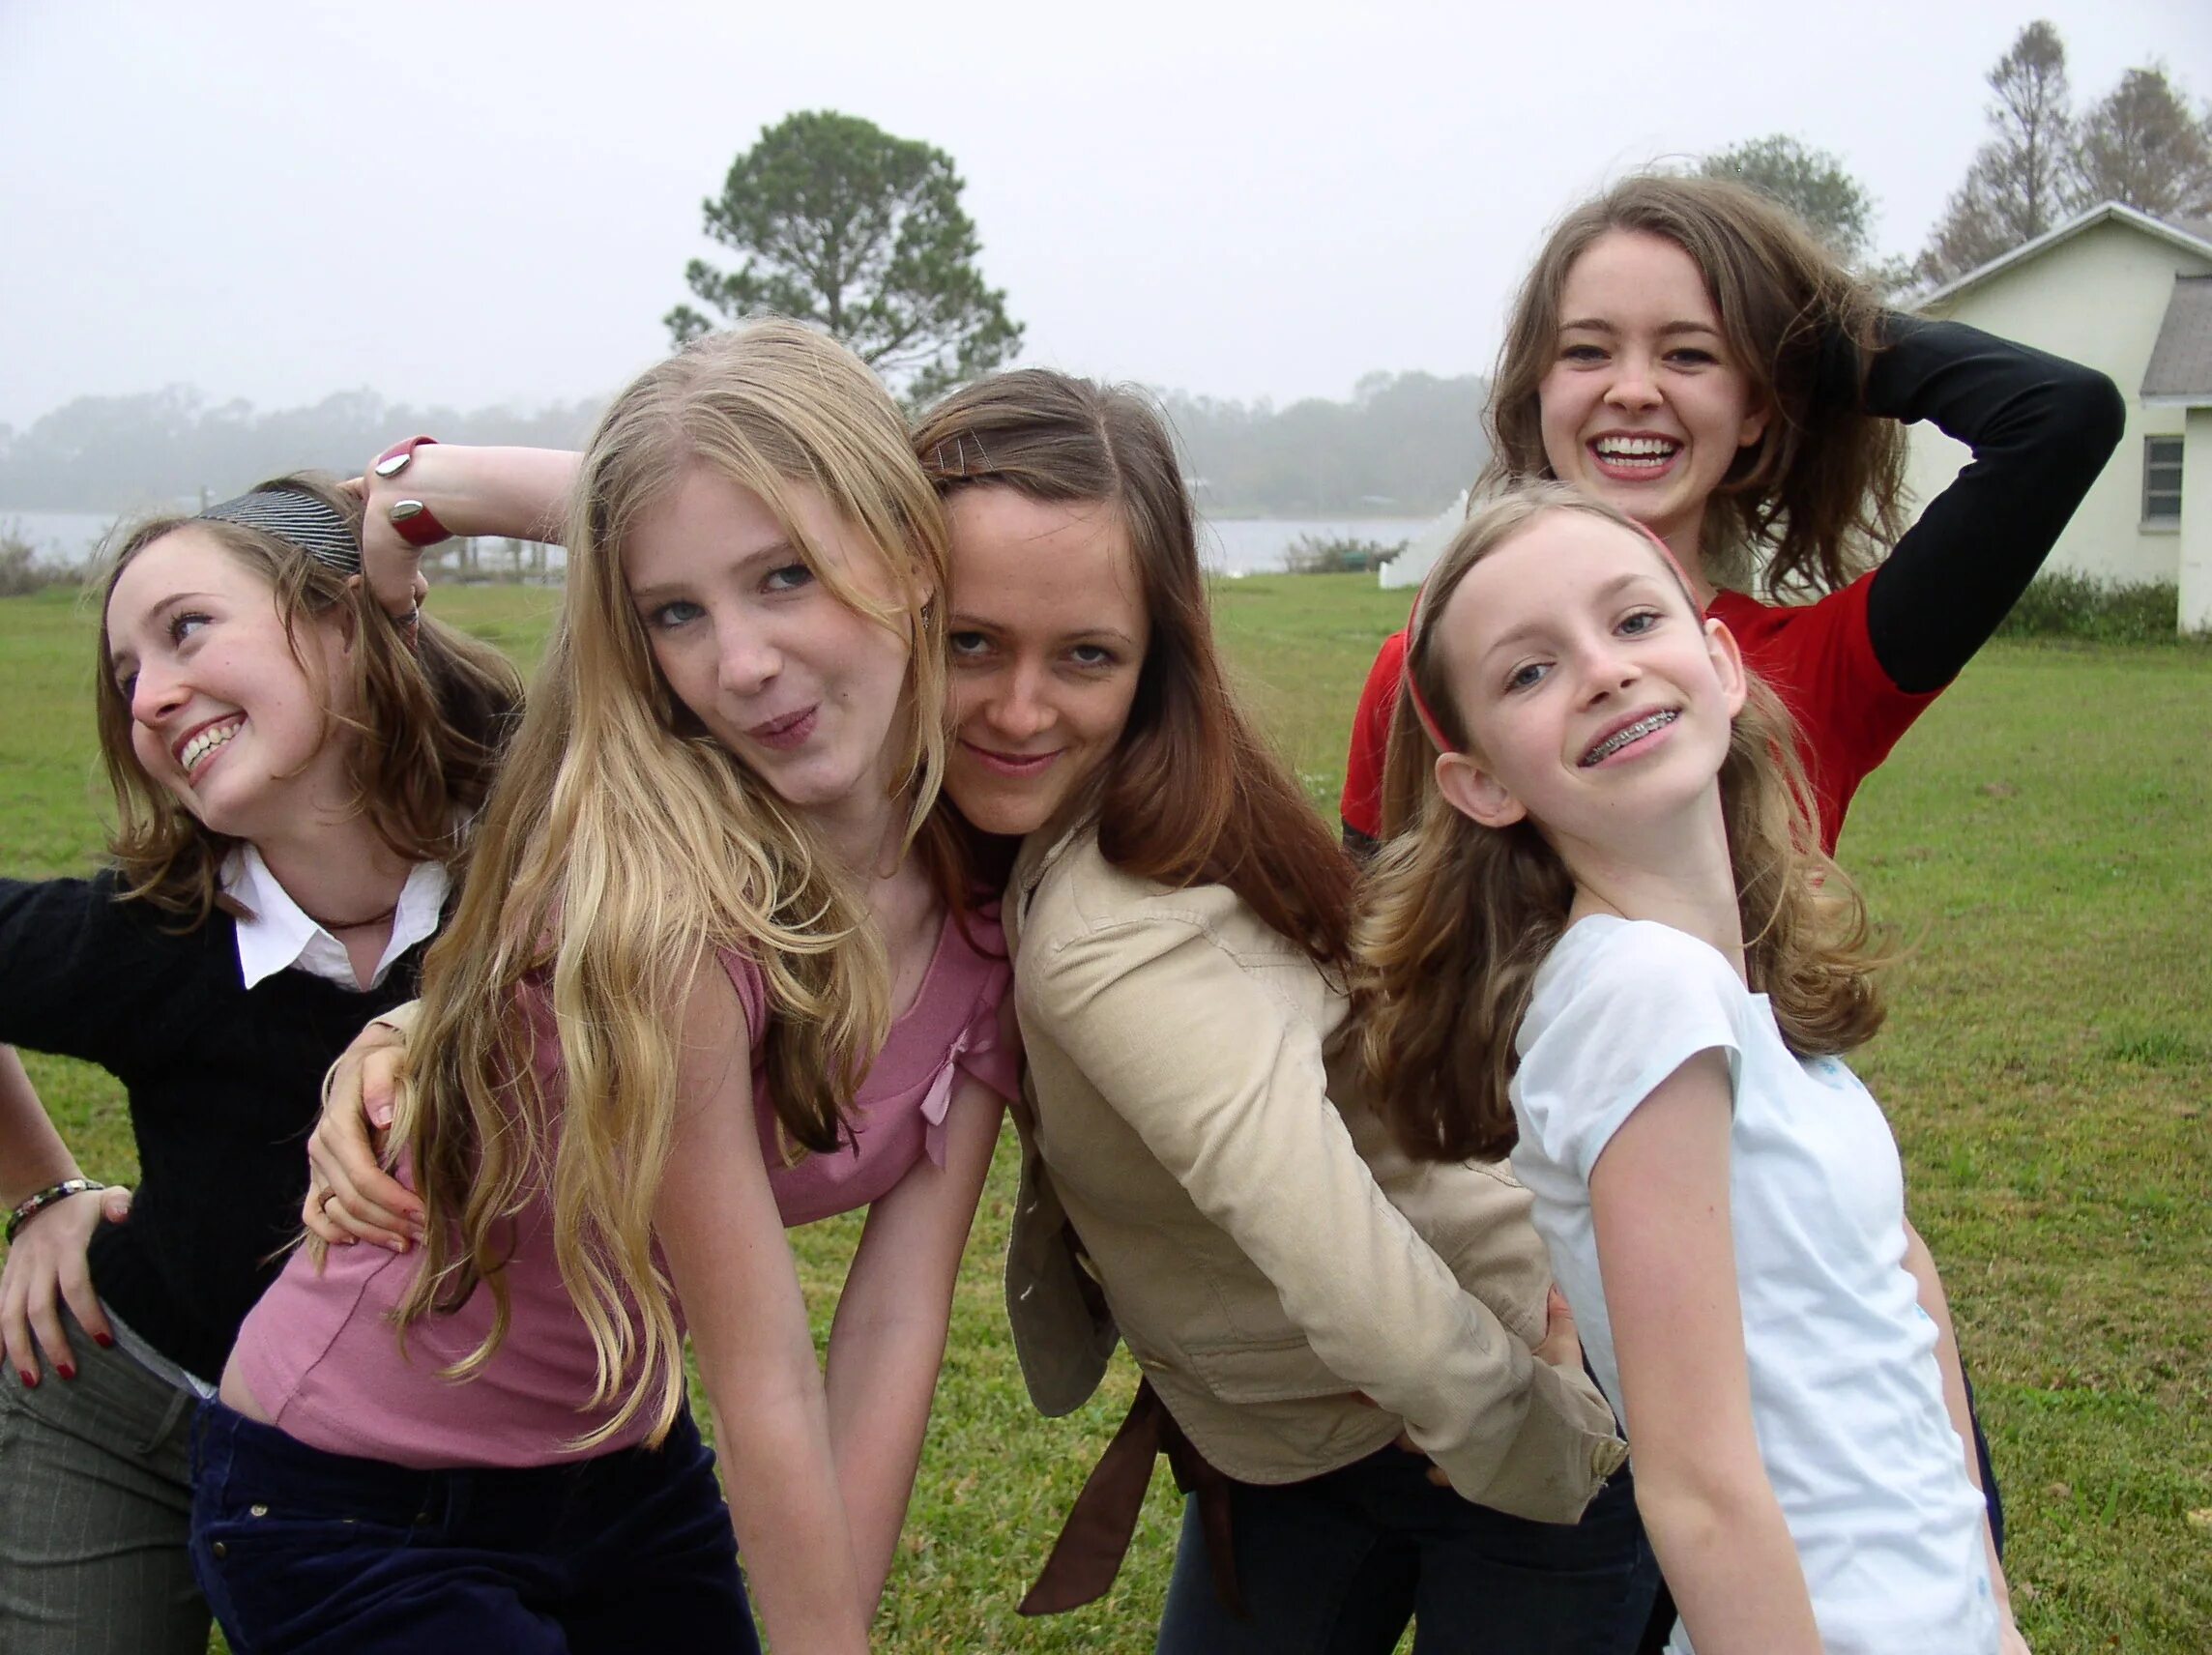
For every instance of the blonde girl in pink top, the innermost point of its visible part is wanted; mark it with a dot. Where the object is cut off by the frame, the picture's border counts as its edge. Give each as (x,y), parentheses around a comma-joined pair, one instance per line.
(708,972)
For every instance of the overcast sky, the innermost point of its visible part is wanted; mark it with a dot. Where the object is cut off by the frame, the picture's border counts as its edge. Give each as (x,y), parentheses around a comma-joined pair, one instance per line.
(470,203)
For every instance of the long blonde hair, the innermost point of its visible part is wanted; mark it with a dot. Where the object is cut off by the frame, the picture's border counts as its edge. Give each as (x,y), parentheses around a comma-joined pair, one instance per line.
(624,847)
(1457,917)
(423,717)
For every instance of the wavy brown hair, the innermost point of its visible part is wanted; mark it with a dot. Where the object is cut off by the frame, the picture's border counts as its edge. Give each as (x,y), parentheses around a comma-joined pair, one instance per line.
(1457,917)
(624,849)
(423,721)
(1191,794)
(1820,495)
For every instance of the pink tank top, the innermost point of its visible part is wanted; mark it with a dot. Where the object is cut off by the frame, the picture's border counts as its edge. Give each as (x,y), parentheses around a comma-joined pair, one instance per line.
(321,1356)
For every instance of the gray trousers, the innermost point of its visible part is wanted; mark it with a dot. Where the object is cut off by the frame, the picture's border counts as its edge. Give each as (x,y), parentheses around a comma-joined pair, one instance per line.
(94,1508)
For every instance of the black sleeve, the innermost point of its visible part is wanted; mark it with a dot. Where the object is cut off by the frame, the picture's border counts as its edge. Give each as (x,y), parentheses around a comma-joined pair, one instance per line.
(77,974)
(1359,845)
(2041,430)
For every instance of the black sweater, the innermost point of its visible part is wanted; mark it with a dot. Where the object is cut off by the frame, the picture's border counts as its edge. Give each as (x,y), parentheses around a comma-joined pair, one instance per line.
(224,1084)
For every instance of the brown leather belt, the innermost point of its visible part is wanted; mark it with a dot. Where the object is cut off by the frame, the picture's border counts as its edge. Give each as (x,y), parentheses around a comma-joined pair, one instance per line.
(1095,1537)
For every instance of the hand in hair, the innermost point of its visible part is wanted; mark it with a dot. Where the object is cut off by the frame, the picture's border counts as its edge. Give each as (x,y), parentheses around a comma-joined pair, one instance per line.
(350,1195)
(518,494)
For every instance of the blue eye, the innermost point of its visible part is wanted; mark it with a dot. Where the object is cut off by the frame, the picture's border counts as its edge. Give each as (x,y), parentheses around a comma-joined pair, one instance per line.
(1092,655)
(184,624)
(790,577)
(674,613)
(967,646)
(1637,624)
(1584,354)
(1526,677)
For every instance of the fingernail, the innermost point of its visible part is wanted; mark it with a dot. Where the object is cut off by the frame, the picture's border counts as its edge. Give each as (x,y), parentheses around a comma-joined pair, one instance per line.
(64,1370)
(396,1246)
(29,1379)
(105,1341)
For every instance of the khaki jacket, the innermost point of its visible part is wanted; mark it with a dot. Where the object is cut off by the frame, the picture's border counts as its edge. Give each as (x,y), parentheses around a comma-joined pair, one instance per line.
(1193,1111)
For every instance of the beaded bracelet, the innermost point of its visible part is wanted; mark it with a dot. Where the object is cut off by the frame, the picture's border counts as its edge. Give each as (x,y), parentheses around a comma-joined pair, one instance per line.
(45,1198)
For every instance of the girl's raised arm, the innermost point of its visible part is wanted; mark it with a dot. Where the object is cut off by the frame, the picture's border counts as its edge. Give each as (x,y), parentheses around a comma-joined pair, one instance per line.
(1659,1203)
(718,1224)
(888,1341)
(2041,430)
(517,493)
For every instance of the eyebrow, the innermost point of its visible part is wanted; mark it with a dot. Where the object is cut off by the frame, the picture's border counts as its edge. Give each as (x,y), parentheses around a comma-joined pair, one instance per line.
(1611,588)
(777,551)
(963,619)
(1599,325)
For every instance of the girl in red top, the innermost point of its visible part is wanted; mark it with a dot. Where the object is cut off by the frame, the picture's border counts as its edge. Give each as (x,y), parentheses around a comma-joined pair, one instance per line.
(1685,351)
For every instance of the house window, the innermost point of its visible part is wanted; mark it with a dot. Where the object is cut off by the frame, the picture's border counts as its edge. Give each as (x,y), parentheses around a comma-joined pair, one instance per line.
(2162,480)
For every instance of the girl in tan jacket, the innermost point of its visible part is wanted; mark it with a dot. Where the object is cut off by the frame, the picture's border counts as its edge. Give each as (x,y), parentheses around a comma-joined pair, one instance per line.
(1201,1173)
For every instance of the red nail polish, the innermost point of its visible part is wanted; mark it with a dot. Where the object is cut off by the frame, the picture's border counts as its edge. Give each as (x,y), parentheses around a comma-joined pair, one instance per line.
(64,1370)
(29,1379)
(105,1341)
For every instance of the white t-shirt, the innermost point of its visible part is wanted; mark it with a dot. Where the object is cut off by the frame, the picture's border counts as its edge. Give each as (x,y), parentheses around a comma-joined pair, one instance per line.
(1846,1394)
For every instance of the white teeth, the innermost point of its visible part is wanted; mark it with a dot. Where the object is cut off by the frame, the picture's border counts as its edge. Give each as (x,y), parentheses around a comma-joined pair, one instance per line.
(1620,738)
(205,743)
(1637,447)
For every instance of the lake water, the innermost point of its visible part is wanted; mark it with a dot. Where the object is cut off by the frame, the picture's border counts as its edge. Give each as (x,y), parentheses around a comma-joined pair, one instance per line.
(1228,545)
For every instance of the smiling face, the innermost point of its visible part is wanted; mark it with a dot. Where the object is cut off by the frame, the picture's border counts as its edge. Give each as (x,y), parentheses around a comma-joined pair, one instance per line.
(1048,637)
(804,690)
(1596,700)
(223,715)
(1643,406)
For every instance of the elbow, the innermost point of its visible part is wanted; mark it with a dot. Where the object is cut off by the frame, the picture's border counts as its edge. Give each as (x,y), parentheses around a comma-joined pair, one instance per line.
(1687,1508)
(2097,414)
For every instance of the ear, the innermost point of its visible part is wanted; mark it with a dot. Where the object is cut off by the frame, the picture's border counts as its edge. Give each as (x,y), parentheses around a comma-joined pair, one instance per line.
(1754,426)
(1475,793)
(1728,663)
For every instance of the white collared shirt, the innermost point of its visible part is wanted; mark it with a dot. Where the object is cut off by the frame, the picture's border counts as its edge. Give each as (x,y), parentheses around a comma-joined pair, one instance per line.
(275,934)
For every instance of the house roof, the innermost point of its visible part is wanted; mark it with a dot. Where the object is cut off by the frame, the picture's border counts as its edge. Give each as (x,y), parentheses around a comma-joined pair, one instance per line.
(2180,370)
(2110,211)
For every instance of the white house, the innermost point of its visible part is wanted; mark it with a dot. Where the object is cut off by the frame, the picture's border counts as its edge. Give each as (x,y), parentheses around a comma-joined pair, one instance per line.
(2132,296)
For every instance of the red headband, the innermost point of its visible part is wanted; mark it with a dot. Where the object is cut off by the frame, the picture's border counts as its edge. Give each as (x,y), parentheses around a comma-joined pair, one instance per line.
(1427,714)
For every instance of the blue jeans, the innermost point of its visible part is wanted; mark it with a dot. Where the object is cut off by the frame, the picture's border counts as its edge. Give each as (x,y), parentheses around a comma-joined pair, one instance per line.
(302,1550)
(1338,1564)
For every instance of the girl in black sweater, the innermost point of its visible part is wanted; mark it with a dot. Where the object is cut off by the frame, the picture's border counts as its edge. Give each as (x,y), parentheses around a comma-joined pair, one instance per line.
(292,772)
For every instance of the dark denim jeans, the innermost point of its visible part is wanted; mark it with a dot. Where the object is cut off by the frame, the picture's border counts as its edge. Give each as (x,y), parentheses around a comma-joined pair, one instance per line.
(1338,1564)
(302,1550)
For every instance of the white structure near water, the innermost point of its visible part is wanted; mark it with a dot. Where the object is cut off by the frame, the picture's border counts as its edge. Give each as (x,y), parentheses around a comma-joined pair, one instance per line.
(2126,294)
(1411,567)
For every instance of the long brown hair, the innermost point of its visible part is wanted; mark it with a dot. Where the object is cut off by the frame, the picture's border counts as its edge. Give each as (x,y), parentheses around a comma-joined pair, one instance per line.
(1191,792)
(1457,917)
(1821,494)
(624,847)
(423,720)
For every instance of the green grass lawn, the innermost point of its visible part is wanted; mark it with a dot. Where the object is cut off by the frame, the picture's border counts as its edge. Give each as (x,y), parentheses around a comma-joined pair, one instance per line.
(2041,843)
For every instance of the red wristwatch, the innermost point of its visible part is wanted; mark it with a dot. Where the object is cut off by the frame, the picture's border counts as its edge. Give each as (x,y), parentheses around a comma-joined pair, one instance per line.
(413,522)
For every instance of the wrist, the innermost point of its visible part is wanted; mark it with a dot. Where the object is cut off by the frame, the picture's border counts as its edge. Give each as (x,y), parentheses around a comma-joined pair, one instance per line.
(37,1201)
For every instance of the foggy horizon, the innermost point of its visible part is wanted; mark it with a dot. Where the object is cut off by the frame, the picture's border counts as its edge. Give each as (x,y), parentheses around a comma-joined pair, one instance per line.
(460,209)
